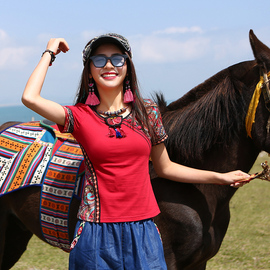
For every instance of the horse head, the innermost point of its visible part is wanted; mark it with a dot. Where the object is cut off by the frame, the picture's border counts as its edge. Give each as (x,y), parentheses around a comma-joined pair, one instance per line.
(258,115)
(260,51)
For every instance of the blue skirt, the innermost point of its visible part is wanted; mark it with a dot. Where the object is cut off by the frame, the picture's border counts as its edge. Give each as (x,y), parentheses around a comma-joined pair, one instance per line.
(129,245)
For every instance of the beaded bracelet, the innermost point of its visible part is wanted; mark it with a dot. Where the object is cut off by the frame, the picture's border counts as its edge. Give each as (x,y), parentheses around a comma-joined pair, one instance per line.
(52,55)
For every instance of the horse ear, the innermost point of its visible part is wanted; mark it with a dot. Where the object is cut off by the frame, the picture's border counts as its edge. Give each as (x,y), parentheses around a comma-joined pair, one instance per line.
(261,51)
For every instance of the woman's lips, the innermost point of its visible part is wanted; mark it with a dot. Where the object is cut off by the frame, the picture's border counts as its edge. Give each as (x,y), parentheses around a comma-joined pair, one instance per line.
(109,76)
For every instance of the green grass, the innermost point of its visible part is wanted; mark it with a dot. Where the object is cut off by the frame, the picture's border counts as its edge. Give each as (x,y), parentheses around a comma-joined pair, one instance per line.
(42,256)
(246,244)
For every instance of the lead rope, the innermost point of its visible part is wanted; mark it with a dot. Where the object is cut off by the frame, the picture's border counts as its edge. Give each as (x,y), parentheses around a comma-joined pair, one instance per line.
(263,175)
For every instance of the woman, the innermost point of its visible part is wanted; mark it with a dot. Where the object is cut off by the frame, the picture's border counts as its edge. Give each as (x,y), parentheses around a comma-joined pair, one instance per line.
(118,132)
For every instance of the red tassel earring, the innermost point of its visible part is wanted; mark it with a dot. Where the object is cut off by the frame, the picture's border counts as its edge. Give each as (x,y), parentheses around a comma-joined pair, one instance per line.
(92,99)
(128,96)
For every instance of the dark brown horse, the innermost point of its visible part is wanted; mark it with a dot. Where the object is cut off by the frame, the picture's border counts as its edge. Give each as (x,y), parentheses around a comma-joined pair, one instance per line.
(206,130)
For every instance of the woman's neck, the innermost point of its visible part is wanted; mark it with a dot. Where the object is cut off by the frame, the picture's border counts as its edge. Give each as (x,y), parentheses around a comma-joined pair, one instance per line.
(111,101)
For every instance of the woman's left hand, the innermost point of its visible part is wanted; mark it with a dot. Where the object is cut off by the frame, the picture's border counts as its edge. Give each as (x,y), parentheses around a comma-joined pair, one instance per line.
(57,45)
(236,178)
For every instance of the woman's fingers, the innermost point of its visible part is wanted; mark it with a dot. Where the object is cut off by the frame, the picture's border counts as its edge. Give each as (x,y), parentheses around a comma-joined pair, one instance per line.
(57,45)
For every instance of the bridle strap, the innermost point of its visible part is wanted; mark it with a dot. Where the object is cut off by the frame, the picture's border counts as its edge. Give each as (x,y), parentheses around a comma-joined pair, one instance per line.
(262,85)
(266,91)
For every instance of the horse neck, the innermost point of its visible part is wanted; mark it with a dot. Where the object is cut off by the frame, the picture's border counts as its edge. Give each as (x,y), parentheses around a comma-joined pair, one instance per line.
(206,127)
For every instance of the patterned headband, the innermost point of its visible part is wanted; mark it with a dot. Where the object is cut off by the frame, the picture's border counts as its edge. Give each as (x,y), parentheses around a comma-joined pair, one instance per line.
(110,37)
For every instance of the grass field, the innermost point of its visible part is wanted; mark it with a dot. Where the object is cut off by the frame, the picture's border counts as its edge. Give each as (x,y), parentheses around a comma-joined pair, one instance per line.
(246,245)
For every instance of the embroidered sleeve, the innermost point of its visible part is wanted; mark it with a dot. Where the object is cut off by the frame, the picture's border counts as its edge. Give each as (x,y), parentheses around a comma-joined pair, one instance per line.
(69,121)
(156,122)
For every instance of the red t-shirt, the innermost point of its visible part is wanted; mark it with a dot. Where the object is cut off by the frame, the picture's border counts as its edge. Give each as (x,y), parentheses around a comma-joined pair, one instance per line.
(117,186)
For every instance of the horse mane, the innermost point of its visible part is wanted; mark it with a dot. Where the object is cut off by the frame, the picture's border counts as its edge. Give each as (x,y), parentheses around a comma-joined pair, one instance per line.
(210,115)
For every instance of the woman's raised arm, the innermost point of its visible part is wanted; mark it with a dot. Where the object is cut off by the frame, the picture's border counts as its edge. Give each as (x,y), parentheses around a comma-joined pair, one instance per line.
(31,97)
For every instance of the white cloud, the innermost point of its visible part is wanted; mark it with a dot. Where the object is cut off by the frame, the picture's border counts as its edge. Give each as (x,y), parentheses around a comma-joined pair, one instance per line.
(168,49)
(3,37)
(179,30)
(178,44)
(231,49)
(12,56)
(171,45)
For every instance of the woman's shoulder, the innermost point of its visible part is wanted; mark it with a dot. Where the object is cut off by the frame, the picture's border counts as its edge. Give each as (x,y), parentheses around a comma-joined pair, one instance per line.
(149,103)
(78,107)
(151,106)
(79,110)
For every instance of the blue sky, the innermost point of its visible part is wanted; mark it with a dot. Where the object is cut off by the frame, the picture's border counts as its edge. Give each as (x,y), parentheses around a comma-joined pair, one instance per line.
(176,44)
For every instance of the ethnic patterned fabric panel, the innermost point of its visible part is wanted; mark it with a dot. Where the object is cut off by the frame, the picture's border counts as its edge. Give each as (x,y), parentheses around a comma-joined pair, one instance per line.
(57,191)
(31,154)
(23,156)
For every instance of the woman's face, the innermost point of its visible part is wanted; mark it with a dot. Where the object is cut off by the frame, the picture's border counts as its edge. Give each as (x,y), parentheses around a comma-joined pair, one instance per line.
(108,77)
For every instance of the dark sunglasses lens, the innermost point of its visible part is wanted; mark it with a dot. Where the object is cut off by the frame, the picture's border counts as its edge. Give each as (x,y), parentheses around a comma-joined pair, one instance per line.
(118,60)
(99,61)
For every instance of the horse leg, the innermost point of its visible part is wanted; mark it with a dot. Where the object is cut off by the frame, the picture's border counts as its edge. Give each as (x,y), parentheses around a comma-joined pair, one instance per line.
(20,210)
(14,236)
(24,205)
(3,225)
(74,206)
(16,240)
(198,267)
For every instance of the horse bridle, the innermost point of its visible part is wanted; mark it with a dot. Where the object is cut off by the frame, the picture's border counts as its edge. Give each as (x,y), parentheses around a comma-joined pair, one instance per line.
(262,86)
(266,95)
(266,91)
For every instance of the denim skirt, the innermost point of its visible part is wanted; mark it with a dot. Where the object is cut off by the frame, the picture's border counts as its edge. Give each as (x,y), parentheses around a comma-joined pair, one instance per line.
(128,245)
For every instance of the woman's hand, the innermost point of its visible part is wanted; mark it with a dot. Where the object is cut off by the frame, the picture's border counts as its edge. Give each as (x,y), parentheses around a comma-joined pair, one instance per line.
(235,178)
(57,45)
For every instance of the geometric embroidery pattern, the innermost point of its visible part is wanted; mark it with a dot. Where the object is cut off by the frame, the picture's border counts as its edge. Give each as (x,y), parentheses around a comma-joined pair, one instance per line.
(22,156)
(26,159)
(57,192)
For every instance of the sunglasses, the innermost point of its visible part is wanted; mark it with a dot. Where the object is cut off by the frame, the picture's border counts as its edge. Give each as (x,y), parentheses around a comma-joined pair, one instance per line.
(117,60)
